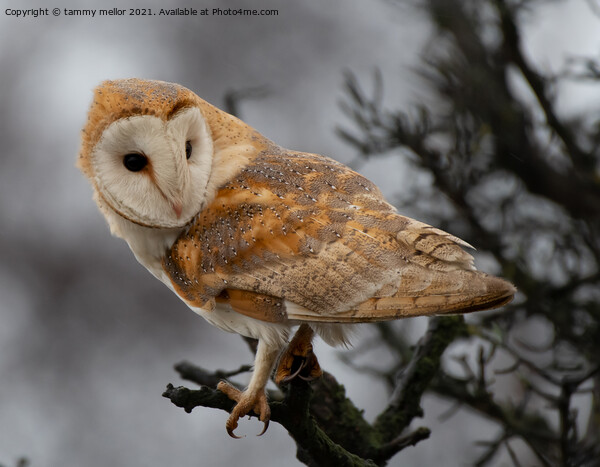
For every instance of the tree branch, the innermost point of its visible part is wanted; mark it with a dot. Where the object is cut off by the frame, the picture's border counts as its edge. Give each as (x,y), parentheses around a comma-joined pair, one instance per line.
(292,413)
(538,84)
(482,88)
(414,379)
(328,429)
(533,429)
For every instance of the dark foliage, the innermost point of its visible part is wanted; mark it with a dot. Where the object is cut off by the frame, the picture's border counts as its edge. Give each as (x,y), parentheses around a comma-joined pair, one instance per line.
(521,182)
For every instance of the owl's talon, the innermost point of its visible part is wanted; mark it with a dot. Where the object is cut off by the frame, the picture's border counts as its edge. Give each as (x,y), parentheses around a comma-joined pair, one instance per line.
(246,402)
(299,360)
(286,379)
(314,372)
(264,430)
(233,435)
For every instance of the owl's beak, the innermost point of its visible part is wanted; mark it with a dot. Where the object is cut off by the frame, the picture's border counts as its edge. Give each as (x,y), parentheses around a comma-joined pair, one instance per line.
(177,207)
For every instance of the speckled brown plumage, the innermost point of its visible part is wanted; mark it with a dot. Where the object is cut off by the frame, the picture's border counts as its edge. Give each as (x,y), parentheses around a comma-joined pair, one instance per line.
(306,229)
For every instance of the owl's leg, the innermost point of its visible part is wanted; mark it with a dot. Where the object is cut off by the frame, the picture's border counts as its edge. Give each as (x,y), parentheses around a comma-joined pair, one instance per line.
(254,397)
(298,360)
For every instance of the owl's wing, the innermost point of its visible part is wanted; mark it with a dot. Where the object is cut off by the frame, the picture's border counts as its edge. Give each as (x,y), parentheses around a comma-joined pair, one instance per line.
(302,237)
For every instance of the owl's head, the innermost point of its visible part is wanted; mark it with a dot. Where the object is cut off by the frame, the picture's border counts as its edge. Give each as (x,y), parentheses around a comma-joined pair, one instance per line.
(148,151)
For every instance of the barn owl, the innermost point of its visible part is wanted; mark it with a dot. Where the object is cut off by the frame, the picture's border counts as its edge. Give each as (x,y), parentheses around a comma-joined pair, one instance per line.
(258,239)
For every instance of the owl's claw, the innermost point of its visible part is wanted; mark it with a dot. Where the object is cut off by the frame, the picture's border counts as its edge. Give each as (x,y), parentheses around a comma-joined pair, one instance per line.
(232,434)
(265,426)
(246,402)
(284,371)
(299,360)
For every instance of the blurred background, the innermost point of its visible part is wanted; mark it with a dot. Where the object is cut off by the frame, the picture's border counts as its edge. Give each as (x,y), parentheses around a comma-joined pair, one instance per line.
(88,338)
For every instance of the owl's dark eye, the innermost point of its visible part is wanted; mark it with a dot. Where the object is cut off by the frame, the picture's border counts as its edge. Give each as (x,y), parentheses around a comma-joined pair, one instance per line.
(188,149)
(135,162)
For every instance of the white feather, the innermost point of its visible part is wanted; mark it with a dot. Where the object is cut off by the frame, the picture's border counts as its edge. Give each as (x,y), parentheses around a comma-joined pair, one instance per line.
(223,317)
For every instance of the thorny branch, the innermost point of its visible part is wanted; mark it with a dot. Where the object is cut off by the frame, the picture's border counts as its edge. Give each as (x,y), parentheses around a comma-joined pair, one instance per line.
(327,427)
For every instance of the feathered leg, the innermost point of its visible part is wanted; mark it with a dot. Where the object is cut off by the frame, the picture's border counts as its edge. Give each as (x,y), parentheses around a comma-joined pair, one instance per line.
(254,397)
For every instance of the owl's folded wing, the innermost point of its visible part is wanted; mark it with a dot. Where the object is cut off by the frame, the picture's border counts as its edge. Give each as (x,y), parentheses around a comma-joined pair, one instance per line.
(304,238)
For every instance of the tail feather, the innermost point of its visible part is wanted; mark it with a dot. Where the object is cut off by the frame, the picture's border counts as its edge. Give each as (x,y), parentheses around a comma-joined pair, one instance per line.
(435,249)
(452,293)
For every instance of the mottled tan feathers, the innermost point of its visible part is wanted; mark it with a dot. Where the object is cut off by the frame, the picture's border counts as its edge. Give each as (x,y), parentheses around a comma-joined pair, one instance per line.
(255,305)
(307,230)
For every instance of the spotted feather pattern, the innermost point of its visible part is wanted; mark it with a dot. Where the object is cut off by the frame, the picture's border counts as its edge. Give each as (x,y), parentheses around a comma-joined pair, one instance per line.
(300,237)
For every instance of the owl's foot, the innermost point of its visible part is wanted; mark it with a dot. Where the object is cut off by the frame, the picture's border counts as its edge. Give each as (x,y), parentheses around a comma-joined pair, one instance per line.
(246,402)
(299,360)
